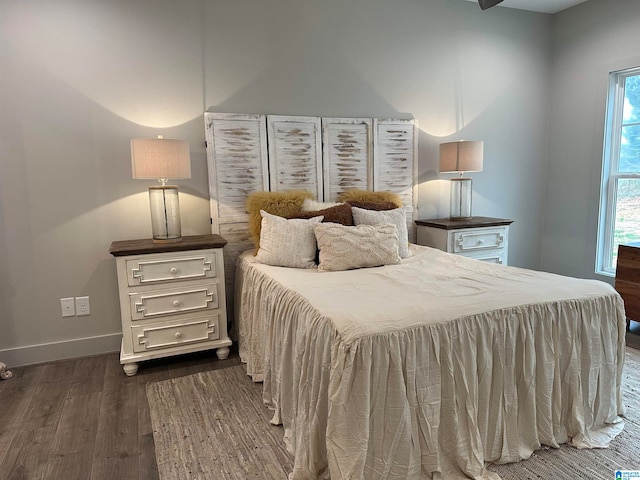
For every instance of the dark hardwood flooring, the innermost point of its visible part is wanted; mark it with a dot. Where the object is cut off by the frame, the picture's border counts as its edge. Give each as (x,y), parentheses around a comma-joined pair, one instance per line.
(84,419)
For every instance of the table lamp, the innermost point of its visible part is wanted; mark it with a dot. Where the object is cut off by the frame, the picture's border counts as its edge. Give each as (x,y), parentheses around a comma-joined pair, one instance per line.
(162,159)
(460,157)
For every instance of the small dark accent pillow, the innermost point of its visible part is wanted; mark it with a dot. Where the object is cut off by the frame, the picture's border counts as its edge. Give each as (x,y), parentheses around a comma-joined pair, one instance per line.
(377,206)
(339,214)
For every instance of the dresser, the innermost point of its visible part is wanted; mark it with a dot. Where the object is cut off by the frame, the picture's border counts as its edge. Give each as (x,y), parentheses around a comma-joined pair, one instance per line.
(627,281)
(172,298)
(482,238)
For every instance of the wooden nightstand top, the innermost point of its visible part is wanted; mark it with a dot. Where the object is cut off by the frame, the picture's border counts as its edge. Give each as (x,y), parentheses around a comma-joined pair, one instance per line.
(146,245)
(473,222)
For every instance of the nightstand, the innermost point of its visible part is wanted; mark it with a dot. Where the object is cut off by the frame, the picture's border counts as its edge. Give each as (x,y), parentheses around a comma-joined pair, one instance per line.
(482,238)
(172,298)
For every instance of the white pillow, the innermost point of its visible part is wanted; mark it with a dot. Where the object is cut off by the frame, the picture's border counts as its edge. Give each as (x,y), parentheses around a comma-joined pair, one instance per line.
(313,205)
(397,217)
(287,243)
(346,248)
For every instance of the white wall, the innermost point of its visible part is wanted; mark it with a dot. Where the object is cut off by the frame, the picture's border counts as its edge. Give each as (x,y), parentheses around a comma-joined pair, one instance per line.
(80,78)
(589,41)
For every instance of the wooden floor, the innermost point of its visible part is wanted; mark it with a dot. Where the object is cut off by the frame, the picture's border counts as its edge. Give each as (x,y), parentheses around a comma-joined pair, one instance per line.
(84,418)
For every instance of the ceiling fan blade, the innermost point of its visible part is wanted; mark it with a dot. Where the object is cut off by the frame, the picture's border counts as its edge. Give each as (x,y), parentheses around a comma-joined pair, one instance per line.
(484,4)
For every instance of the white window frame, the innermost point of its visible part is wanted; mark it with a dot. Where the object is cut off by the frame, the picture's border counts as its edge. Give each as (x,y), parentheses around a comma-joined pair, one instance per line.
(610,163)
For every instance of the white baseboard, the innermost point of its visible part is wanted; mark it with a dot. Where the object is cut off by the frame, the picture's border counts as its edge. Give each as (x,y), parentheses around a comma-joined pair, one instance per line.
(49,352)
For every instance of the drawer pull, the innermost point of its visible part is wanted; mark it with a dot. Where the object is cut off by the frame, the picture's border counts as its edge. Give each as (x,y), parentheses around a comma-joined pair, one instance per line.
(480,242)
(178,335)
(173,270)
(176,303)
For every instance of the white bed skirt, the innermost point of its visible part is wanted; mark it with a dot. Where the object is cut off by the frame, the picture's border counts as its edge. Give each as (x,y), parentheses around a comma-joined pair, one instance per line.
(439,400)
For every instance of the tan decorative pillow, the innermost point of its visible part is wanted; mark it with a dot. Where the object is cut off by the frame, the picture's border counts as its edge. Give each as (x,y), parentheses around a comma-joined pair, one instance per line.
(397,217)
(370,198)
(347,248)
(339,214)
(287,243)
(282,204)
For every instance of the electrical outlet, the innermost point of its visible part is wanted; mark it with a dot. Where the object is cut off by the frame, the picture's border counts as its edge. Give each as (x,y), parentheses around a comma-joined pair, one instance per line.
(82,306)
(68,307)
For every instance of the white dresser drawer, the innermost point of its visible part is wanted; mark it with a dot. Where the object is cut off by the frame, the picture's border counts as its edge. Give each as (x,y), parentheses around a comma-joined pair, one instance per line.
(465,241)
(170,268)
(165,335)
(149,304)
(493,256)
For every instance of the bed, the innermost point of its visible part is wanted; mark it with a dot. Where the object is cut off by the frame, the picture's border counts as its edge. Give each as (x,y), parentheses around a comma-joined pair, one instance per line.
(427,367)
(430,368)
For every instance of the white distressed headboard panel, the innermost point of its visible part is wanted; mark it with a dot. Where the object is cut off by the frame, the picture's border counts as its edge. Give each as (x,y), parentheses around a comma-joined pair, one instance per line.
(347,156)
(327,156)
(295,154)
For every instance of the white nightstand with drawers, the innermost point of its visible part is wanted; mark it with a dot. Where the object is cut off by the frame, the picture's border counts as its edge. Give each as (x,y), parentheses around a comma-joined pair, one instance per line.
(482,238)
(172,298)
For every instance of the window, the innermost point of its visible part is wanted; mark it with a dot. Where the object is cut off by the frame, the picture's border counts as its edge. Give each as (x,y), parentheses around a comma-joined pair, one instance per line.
(620,191)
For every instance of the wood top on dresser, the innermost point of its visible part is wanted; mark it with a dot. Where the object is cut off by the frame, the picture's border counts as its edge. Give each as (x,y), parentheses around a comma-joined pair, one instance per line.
(473,222)
(147,245)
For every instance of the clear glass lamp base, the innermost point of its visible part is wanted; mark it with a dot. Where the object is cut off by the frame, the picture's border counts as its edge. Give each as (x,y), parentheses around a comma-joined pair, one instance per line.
(460,198)
(165,214)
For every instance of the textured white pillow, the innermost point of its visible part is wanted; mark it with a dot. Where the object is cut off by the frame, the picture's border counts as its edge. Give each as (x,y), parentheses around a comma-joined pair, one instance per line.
(346,248)
(287,243)
(313,205)
(397,217)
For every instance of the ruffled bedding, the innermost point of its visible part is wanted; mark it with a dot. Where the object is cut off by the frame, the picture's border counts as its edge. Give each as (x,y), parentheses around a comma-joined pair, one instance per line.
(431,368)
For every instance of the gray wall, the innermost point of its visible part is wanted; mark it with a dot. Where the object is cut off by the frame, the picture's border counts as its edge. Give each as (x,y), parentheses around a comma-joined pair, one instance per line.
(80,78)
(589,41)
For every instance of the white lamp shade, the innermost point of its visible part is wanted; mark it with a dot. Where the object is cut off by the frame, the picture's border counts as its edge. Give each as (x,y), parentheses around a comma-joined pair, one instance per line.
(160,158)
(463,156)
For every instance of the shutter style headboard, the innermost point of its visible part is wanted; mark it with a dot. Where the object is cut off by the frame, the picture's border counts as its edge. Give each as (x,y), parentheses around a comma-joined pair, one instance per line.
(327,156)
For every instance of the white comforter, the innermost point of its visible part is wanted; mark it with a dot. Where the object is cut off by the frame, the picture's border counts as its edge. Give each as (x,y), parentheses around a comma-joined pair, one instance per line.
(430,368)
